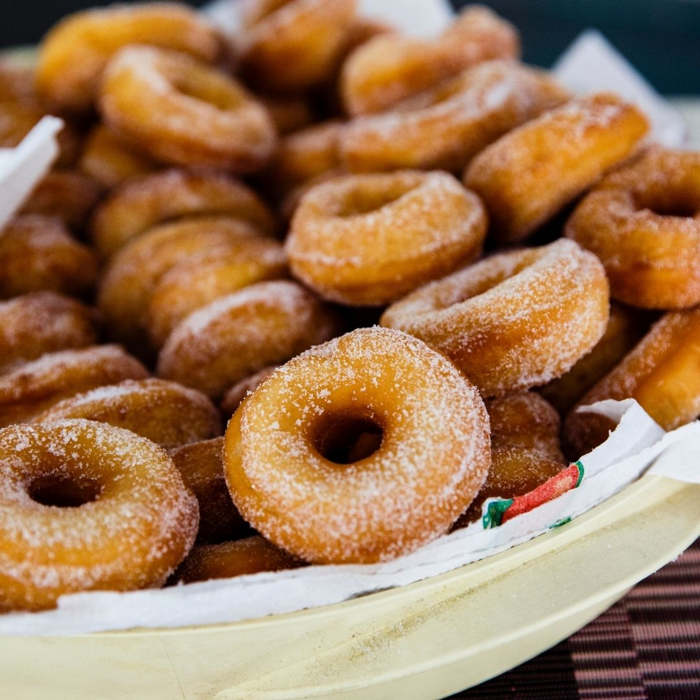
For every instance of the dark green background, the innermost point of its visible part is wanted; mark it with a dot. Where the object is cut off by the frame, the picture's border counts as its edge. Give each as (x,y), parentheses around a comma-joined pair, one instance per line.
(661,37)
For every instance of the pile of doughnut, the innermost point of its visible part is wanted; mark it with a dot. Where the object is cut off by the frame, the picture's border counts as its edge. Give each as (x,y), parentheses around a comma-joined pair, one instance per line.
(312,293)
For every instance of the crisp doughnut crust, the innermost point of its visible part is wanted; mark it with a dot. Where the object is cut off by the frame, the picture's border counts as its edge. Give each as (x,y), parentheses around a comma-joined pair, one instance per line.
(433,457)
(34,324)
(202,469)
(643,222)
(625,329)
(390,68)
(525,449)
(156,98)
(448,125)
(74,53)
(233,397)
(37,253)
(110,160)
(125,521)
(514,320)
(239,334)
(204,278)
(251,555)
(529,174)
(292,45)
(33,387)
(144,202)
(164,412)
(132,275)
(369,239)
(662,373)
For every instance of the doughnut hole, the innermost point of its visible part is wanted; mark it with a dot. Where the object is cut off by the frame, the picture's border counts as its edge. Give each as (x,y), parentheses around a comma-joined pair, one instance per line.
(64,491)
(347,437)
(366,198)
(680,203)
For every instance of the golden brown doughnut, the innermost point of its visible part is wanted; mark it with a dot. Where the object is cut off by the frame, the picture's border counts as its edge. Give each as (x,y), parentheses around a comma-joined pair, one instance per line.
(182,111)
(369,239)
(73,55)
(17,81)
(144,202)
(164,412)
(233,397)
(239,334)
(643,222)
(86,506)
(288,113)
(289,481)
(37,253)
(390,68)
(514,320)
(662,373)
(529,174)
(35,386)
(42,322)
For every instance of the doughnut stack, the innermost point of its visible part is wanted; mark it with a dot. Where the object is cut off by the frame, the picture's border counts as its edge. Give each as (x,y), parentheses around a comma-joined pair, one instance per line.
(312,293)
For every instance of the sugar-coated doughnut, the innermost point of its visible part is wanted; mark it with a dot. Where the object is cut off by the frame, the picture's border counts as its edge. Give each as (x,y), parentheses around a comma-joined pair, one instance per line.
(203,278)
(86,506)
(369,239)
(42,322)
(390,68)
(514,320)
(144,202)
(286,460)
(202,468)
(643,222)
(292,45)
(233,397)
(133,273)
(448,125)
(37,253)
(529,174)
(251,555)
(239,334)
(72,56)
(625,329)
(182,111)
(164,412)
(662,373)
(35,386)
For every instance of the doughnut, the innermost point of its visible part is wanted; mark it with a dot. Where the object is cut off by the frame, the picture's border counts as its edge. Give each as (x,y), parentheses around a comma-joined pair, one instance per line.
(17,82)
(369,239)
(529,174)
(662,373)
(68,195)
(448,125)
(182,111)
(290,201)
(251,555)
(42,322)
(625,329)
(525,449)
(643,222)
(240,333)
(202,469)
(86,506)
(233,397)
(514,320)
(110,160)
(203,278)
(285,455)
(164,412)
(134,272)
(35,386)
(37,253)
(288,113)
(144,202)
(392,67)
(73,55)
(292,45)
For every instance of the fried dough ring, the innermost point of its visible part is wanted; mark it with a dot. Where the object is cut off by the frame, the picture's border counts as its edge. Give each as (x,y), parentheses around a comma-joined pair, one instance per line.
(233,397)
(369,239)
(514,320)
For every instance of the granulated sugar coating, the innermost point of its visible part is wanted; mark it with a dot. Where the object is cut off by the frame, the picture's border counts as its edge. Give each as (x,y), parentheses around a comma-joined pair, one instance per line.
(433,457)
(86,506)
(514,320)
